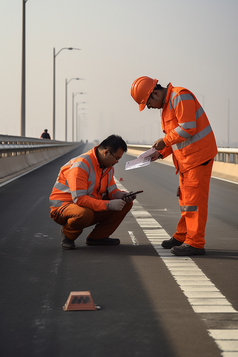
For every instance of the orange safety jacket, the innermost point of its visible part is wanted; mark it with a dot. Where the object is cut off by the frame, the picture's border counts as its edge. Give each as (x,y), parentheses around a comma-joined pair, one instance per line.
(82,181)
(188,133)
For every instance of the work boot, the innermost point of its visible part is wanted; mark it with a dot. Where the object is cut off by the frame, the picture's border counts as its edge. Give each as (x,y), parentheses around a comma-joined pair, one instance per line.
(103,241)
(66,243)
(186,249)
(170,243)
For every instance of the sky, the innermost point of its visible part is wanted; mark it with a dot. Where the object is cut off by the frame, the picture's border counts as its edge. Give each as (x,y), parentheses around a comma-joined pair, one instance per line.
(190,43)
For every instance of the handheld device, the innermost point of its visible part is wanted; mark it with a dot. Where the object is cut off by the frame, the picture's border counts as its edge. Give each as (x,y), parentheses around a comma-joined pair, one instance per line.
(133,194)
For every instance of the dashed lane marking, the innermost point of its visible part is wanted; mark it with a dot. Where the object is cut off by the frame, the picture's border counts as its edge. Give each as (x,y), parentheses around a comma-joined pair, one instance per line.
(133,238)
(201,293)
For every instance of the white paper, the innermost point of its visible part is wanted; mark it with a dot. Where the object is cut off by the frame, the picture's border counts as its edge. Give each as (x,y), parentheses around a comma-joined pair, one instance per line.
(142,160)
(147,153)
(139,162)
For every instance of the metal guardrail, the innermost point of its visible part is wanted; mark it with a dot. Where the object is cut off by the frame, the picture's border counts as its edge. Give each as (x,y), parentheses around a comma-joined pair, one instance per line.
(228,155)
(20,155)
(16,145)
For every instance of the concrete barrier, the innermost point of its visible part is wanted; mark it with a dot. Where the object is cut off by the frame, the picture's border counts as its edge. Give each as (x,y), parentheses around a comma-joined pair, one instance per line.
(222,170)
(18,155)
(21,155)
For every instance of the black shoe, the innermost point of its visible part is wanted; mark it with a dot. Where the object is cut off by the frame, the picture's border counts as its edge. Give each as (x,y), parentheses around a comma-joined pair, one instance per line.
(186,249)
(172,242)
(103,241)
(66,243)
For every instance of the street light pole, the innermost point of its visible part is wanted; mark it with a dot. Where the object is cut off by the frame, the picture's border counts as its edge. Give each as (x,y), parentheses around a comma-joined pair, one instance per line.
(82,117)
(78,120)
(73,95)
(54,57)
(23,72)
(228,124)
(66,99)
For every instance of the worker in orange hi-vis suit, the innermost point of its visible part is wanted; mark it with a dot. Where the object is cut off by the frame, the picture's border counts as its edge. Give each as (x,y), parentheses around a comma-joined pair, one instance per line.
(190,139)
(85,194)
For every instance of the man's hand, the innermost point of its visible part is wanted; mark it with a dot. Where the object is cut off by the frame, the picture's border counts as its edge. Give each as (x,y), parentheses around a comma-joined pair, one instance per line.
(130,198)
(122,194)
(159,144)
(156,156)
(116,205)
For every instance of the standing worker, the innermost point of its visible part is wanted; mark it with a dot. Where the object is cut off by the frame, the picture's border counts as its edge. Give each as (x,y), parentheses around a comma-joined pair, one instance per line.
(85,194)
(190,139)
(45,135)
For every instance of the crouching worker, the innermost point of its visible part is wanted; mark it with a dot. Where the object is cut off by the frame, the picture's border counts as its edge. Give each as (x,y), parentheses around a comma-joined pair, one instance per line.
(86,194)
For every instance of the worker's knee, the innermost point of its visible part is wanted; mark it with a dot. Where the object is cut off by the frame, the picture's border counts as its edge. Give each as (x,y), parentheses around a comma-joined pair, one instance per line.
(85,216)
(128,206)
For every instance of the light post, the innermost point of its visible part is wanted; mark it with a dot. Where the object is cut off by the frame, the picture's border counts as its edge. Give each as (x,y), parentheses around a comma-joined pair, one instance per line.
(78,120)
(23,72)
(84,125)
(73,95)
(78,123)
(54,57)
(228,124)
(66,96)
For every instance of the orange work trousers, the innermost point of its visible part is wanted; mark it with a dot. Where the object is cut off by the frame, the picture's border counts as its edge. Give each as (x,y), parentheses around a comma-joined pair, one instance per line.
(74,219)
(193,200)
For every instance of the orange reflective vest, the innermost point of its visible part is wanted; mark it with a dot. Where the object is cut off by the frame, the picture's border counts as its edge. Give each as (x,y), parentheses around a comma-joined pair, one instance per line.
(82,181)
(188,133)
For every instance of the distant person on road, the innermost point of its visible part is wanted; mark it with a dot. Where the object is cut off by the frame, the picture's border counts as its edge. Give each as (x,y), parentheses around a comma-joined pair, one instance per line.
(85,194)
(45,135)
(190,139)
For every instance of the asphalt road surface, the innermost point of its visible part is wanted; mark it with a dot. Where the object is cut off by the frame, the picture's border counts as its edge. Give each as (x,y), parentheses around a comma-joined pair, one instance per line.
(152,303)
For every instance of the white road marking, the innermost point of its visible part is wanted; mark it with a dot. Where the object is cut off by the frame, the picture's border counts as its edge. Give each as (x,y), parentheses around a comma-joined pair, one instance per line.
(133,238)
(201,293)
(224,334)
(227,341)
(148,222)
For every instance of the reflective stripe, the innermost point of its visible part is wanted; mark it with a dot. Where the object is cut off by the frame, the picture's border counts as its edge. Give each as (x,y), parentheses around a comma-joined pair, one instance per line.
(84,156)
(199,112)
(188,125)
(193,139)
(171,100)
(55,203)
(182,133)
(188,208)
(92,178)
(78,193)
(80,164)
(181,97)
(111,188)
(90,172)
(60,186)
(110,175)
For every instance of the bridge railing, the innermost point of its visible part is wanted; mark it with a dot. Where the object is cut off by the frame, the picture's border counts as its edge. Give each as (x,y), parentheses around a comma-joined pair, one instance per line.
(21,154)
(224,167)
(15,145)
(228,155)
